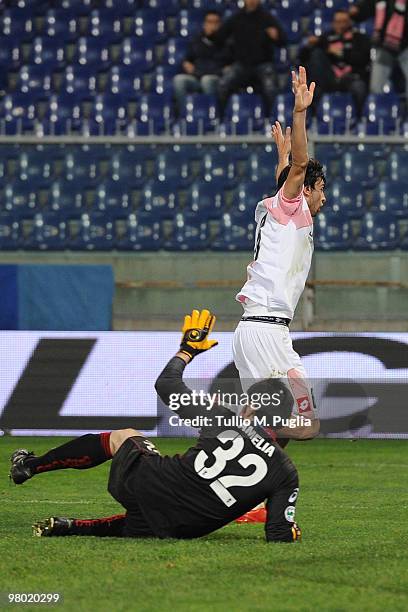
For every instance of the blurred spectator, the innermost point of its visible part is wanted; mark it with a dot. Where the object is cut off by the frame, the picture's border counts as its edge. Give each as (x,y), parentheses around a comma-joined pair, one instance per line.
(390,37)
(254,33)
(203,62)
(339,60)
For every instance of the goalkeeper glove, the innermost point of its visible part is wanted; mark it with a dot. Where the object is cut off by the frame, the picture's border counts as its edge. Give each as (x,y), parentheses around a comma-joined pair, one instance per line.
(196,329)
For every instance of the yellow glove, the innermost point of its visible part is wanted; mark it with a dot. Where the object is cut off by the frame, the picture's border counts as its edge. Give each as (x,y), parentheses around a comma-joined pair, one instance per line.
(196,329)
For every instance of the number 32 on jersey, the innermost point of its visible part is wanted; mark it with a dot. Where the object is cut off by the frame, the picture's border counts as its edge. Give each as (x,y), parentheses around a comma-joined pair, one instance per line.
(222,456)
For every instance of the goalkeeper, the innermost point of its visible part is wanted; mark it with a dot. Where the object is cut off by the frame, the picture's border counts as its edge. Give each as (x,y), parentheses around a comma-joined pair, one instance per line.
(226,473)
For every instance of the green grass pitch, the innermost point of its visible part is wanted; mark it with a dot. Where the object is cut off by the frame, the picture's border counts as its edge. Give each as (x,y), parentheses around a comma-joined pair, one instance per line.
(352,508)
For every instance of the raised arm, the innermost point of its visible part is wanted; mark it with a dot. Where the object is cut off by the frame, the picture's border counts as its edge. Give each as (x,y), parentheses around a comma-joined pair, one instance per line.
(300,157)
(283,145)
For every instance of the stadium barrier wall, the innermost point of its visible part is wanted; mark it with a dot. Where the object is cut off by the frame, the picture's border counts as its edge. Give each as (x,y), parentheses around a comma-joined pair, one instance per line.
(70,383)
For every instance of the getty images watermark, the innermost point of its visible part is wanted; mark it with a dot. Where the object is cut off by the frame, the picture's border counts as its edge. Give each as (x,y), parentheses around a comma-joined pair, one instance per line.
(264,405)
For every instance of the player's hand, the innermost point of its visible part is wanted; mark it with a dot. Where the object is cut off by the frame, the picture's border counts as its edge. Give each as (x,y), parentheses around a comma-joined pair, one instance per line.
(303,93)
(282,141)
(196,330)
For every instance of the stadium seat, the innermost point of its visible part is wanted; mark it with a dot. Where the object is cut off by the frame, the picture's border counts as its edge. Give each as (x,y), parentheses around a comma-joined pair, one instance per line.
(161,80)
(47,51)
(168,8)
(189,23)
(198,114)
(18,113)
(63,115)
(122,79)
(78,164)
(244,114)
(48,232)
(172,166)
(91,52)
(282,60)
(153,115)
(20,198)
(336,114)
(10,55)
(35,79)
(160,200)
(95,232)
(62,24)
(205,200)
(381,114)
(391,197)
(247,195)
(290,17)
(332,232)
(128,165)
(79,79)
(187,233)
(358,167)
(348,199)
(379,232)
(133,53)
(142,232)
(262,165)
(34,165)
(235,233)
(320,22)
(148,25)
(282,109)
(396,168)
(16,23)
(107,115)
(112,196)
(218,166)
(104,22)
(174,52)
(65,196)
(10,231)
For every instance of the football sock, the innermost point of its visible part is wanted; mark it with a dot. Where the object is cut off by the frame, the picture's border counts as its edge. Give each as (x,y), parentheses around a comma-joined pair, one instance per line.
(80,453)
(103,527)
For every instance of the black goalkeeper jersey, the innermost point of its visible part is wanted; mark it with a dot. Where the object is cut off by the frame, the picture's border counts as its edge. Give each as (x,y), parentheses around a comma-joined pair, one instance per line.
(232,468)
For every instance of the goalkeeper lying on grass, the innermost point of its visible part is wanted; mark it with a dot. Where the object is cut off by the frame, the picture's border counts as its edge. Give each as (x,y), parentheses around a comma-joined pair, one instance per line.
(231,468)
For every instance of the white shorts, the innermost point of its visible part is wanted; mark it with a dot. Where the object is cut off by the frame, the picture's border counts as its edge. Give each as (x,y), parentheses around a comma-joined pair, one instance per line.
(264,350)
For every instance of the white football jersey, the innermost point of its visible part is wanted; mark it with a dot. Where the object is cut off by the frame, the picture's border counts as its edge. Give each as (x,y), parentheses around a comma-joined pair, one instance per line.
(282,255)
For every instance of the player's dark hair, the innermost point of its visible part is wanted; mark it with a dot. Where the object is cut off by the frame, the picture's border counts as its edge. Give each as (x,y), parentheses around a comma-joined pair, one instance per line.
(314,172)
(280,407)
(212,12)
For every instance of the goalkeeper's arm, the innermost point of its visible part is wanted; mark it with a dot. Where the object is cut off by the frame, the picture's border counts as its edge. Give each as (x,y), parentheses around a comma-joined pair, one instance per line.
(170,385)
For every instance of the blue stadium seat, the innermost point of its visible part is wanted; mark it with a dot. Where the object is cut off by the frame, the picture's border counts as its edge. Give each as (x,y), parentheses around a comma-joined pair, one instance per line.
(218,166)
(10,231)
(160,199)
(189,23)
(122,79)
(133,53)
(348,199)
(34,165)
(62,24)
(20,197)
(142,232)
(262,165)
(63,115)
(329,155)
(10,54)
(95,232)
(172,166)
(198,114)
(78,164)
(18,113)
(379,232)
(236,233)
(244,114)
(161,80)
(188,233)
(247,195)
(391,197)
(332,232)
(111,196)
(48,51)
(289,17)
(153,115)
(65,196)
(129,165)
(381,114)
(359,167)
(282,60)
(320,22)
(336,114)
(148,25)
(16,23)
(205,200)
(48,232)
(282,109)
(35,79)
(107,115)
(397,166)
(122,7)
(79,79)
(91,51)
(104,23)
(82,7)
(168,8)
(174,52)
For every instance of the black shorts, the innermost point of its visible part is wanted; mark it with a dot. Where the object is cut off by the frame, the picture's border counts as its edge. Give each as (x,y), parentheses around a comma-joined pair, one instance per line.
(124,463)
